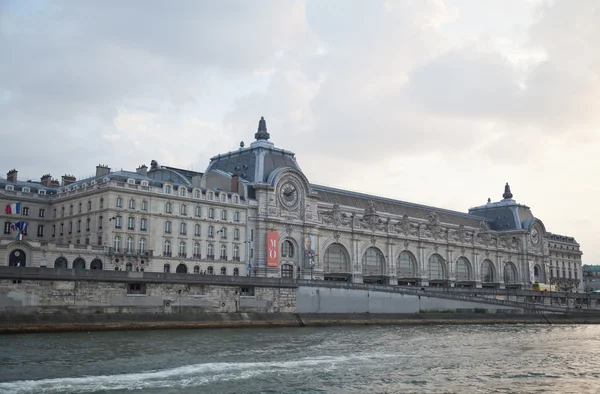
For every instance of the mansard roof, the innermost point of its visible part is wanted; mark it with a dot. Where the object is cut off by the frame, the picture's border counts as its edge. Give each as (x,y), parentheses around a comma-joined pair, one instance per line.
(33,186)
(396,207)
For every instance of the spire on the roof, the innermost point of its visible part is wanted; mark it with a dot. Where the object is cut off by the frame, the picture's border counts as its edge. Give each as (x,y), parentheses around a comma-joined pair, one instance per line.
(507,194)
(262,134)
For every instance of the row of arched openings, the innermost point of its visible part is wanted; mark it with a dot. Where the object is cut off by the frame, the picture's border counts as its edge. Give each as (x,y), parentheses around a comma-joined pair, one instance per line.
(336,264)
(78,263)
(183,269)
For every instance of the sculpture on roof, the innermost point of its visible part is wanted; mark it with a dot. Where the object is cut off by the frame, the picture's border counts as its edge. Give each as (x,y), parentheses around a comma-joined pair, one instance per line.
(507,194)
(262,134)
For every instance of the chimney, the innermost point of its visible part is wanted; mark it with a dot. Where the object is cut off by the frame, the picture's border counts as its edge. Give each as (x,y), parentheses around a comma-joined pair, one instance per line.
(11,176)
(68,179)
(54,183)
(235,183)
(102,170)
(46,180)
(142,170)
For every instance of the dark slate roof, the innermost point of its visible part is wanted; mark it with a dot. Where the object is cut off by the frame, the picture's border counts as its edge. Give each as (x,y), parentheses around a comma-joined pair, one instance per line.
(561,238)
(396,207)
(33,186)
(505,215)
(243,162)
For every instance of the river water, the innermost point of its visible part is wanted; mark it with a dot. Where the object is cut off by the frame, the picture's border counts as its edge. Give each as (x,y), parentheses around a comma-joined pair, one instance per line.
(355,359)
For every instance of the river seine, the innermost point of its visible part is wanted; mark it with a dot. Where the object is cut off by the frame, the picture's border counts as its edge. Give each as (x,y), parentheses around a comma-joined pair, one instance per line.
(365,359)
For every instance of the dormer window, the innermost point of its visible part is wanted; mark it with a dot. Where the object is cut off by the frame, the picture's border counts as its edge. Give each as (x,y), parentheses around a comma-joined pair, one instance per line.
(144,183)
(168,189)
(131,181)
(223,197)
(210,196)
(182,191)
(41,192)
(196,193)
(9,187)
(26,190)
(236,199)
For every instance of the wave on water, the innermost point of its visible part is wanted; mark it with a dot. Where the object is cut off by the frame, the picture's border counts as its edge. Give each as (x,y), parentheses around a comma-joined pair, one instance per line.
(180,377)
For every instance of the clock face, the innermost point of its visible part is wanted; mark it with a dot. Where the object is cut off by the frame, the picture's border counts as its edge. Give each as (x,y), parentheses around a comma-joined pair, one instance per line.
(288,194)
(535,236)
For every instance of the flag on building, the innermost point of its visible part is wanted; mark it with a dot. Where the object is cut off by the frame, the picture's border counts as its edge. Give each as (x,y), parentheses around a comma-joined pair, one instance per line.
(13,209)
(21,228)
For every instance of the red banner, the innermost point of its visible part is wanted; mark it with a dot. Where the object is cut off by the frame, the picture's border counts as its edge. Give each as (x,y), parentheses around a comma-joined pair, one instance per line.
(272,249)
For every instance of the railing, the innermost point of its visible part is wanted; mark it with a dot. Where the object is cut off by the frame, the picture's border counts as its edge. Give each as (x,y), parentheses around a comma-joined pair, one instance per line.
(132,252)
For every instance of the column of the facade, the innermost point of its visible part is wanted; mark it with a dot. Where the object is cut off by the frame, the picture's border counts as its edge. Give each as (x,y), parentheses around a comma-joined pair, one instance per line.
(477,269)
(391,263)
(356,261)
(450,263)
(499,265)
(423,264)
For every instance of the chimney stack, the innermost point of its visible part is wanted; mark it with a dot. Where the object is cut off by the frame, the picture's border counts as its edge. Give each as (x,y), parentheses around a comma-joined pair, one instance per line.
(142,170)
(235,182)
(46,180)
(11,176)
(54,183)
(68,179)
(102,170)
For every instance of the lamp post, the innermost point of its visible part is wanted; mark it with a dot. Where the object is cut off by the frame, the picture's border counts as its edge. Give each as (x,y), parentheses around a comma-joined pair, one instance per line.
(312,265)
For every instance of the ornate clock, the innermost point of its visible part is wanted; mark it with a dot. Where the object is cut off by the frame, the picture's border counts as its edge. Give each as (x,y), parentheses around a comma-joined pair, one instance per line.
(289,195)
(535,236)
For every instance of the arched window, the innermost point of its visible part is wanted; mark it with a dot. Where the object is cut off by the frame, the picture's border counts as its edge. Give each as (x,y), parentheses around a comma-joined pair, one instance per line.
(196,193)
(223,197)
(223,255)
(236,253)
(287,249)
(406,265)
(79,263)
(210,196)
(167,248)
(167,227)
(463,270)
(197,250)
(181,269)
(196,269)
(510,273)
(89,205)
(168,208)
(373,262)
(223,215)
(236,216)
(168,189)
(129,244)
(128,267)
(132,204)
(167,268)
(223,232)
(60,262)
(235,199)
(210,270)
(236,272)
(96,264)
(537,273)
(182,249)
(182,191)
(197,230)
(236,234)
(336,259)
(117,243)
(487,271)
(101,204)
(211,232)
(198,211)
(130,223)
(144,205)
(183,228)
(437,268)
(119,203)
(211,213)
(287,271)
(210,251)
(223,271)
(142,245)
(183,209)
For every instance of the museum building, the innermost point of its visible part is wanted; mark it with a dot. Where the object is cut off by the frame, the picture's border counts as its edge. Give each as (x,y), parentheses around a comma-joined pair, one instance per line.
(254,212)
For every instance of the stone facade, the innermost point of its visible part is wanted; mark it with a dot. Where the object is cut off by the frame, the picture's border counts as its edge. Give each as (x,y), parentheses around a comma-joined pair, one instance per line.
(219,221)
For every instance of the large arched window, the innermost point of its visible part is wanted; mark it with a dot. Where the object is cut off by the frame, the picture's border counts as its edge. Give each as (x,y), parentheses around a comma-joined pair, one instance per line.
(129,267)
(60,262)
(510,273)
(336,259)
(406,265)
(223,255)
(142,245)
(463,270)
(223,271)
(373,262)
(210,252)
(129,244)
(167,248)
(488,274)
(117,243)
(96,264)
(236,272)
(181,269)
(287,249)
(79,263)
(437,268)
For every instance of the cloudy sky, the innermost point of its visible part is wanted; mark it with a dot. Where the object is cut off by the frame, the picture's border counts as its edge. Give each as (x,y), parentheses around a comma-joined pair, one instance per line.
(437,102)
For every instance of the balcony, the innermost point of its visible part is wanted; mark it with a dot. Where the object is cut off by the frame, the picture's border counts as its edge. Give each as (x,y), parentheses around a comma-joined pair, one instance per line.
(183,255)
(210,257)
(197,256)
(223,257)
(167,254)
(236,258)
(130,252)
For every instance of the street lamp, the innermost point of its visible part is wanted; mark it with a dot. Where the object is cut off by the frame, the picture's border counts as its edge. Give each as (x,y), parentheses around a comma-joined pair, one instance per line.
(312,265)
